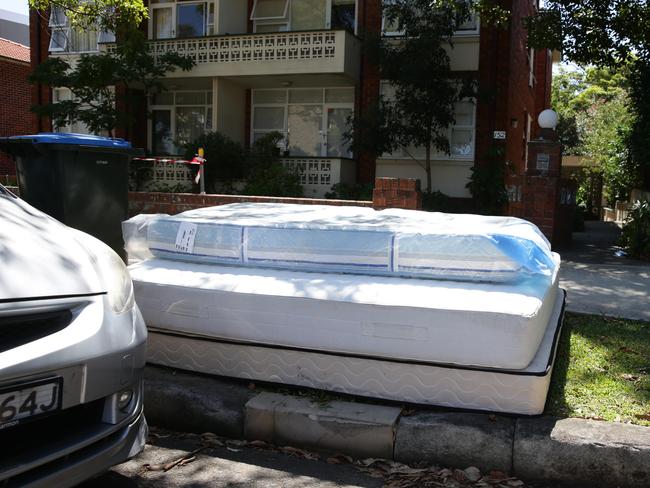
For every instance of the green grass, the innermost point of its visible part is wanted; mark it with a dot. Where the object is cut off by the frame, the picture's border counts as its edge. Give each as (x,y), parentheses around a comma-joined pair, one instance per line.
(602,370)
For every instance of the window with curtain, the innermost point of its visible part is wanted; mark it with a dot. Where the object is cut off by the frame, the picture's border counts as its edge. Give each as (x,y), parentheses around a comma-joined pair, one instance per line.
(64,38)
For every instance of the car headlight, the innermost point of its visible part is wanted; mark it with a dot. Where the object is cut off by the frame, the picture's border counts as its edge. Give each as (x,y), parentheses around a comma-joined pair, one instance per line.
(111,270)
(116,278)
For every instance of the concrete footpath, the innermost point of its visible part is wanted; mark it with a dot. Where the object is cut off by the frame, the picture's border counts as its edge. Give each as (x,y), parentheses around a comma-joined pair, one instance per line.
(600,282)
(543,448)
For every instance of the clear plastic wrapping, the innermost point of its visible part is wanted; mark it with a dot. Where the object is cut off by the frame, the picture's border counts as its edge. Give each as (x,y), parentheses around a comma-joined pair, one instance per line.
(347,240)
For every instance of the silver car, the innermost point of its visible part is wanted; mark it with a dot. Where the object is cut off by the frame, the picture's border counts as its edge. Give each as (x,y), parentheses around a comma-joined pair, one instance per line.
(72,353)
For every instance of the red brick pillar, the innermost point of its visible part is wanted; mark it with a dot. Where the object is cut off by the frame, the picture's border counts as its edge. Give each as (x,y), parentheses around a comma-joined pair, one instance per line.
(543,195)
(397,193)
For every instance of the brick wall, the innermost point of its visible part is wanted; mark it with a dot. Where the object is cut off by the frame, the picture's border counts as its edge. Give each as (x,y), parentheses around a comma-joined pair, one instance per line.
(397,193)
(15,96)
(505,95)
(389,192)
(172,203)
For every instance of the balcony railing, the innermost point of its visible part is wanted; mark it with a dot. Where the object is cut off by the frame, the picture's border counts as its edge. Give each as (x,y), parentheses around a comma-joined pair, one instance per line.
(317,175)
(308,52)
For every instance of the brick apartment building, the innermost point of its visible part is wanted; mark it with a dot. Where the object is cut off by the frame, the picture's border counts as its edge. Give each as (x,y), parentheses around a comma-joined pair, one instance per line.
(15,97)
(296,66)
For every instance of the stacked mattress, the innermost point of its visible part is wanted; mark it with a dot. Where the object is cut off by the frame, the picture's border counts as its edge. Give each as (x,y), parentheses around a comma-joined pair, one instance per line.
(460,311)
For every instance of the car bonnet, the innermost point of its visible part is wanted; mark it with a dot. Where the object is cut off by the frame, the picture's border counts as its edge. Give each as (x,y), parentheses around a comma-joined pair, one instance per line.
(39,256)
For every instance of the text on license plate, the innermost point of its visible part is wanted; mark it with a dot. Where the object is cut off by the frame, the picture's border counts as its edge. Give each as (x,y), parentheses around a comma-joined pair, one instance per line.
(29,400)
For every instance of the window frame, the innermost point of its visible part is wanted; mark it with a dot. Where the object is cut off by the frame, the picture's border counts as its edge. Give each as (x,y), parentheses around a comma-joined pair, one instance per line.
(435,155)
(66,31)
(457,32)
(286,19)
(209,105)
(210,6)
(284,16)
(324,104)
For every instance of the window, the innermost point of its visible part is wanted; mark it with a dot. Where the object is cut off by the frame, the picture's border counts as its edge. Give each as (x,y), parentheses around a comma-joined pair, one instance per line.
(181,19)
(270,15)
(312,120)
(190,19)
(390,28)
(178,118)
(461,135)
(531,66)
(60,95)
(308,14)
(469,27)
(298,15)
(65,38)
(343,15)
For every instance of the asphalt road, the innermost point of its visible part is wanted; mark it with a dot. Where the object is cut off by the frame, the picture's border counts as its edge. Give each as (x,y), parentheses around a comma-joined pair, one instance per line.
(237,464)
(231,466)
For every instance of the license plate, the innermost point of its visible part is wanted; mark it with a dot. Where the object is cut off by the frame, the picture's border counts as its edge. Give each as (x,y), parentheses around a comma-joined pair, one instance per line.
(28,401)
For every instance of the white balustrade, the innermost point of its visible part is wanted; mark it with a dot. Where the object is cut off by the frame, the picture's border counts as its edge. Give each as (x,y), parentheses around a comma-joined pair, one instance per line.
(268,53)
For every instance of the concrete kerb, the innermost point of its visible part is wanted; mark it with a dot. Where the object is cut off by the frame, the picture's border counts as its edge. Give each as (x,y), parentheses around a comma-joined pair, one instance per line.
(544,448)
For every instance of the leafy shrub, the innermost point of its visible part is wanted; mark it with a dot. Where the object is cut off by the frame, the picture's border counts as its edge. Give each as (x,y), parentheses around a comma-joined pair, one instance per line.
(267,176)
(486,184)
(636,231)
(346,191)
(435,201)
(226,159)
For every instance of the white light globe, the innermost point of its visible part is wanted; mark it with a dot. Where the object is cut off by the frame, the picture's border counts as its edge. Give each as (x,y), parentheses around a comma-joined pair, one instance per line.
(547,119)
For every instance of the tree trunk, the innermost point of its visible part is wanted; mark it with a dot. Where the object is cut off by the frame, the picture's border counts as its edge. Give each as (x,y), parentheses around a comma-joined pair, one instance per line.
(427,167)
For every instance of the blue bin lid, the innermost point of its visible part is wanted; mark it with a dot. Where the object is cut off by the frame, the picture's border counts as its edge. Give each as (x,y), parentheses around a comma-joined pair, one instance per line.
(79,139)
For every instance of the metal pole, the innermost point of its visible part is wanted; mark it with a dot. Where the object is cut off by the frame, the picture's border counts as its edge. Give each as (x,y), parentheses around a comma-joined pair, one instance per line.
(202,171)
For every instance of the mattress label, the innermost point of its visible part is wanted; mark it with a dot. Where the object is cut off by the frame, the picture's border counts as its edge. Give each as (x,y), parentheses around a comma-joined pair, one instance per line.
(185,237)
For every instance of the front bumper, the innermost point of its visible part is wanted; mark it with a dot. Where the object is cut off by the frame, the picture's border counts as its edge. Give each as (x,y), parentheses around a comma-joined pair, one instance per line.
(97,356)
(89,456)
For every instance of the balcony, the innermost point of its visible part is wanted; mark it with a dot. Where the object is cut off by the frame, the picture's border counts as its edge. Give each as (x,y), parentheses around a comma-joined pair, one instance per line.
(329,52)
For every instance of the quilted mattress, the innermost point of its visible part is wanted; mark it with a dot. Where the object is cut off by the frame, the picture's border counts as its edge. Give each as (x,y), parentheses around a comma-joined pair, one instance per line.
(428,321)
(521,392)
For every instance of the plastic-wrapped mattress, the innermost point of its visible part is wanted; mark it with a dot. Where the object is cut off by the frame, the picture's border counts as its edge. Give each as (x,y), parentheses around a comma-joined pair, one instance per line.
(459,310)
(347,240)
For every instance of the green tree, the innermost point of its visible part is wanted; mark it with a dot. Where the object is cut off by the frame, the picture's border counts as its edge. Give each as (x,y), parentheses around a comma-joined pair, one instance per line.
(600,32)
(640,132)
(108,15)
(94,78)
(416,65)
(606,33)
(606,144)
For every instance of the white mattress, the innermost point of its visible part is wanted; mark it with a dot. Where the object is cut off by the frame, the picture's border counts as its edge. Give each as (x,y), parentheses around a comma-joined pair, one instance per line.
(356,240)
(519,392)
(473,324)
